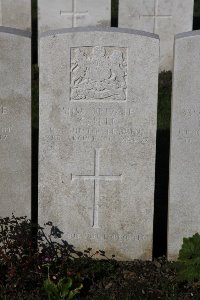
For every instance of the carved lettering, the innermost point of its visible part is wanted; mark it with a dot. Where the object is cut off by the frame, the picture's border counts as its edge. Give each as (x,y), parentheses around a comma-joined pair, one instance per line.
(124,133)
(3,110)
(4,133)
(6,130)
(188,134)
(105,236)
(189,112)
(3,137)
(191,118)
(77,111)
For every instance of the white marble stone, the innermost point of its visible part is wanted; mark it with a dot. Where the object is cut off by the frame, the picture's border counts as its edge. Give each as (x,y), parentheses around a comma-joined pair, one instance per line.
(73,13)
(184,204)
(15,122)
(163,17)
(98,103)
(16,14)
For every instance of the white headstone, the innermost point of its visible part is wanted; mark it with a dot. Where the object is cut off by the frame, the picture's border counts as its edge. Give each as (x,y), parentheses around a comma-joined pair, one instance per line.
(98,102)
(163,17)
(184,204)
(15,14)
(72,13)
(15,122)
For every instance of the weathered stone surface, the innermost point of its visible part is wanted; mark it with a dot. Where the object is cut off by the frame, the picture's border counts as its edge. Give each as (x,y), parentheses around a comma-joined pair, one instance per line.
(163,17)
(15,14)
(15,122)
(73,13)
(184,205)
(98,102)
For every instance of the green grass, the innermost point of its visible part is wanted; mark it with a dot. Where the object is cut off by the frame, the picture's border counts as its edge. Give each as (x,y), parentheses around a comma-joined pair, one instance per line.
(197,8)
(164,100)
(35,97)
(115,8)
(34,6)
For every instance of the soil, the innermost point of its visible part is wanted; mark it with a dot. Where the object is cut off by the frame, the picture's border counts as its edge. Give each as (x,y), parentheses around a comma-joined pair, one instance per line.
(142,280)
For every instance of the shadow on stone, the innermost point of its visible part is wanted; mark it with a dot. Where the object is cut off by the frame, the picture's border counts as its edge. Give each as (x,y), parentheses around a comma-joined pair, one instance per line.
(161,193)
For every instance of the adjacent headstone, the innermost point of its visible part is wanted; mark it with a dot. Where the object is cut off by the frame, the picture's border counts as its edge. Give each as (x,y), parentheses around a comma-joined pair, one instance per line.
(98,102)
(73,13)
(184,204)
(163,17)
(16,14)
(15,122)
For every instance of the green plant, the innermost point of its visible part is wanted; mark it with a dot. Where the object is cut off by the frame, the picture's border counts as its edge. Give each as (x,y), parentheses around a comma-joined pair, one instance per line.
(30,253)
(189,259)
(24,256)
(63,290)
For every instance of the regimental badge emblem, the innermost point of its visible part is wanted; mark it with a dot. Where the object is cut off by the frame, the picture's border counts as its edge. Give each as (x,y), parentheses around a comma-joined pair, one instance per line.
(98,73)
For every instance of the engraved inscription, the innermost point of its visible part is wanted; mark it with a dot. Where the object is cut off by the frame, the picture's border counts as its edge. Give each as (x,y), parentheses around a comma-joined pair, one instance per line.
(191,120)
(119,111)
(98,73)
(110,124)
(188,135)
(191,112)
(4,131)
(3,110)
(96,178)
(105,236)
(125,134)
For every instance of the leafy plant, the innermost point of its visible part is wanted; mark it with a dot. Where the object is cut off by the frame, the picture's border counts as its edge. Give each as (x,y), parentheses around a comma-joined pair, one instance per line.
(28,250)
(189,259)
(63,290)
(25,251)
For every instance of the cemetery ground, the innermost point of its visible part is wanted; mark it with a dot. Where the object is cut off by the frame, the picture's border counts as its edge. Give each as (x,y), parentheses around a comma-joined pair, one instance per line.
(59,271)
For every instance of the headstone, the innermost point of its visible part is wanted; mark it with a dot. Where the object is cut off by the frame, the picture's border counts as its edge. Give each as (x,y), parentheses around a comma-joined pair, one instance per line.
(15,14)
(73,13)
(15,122)
(98,99)
(184,204)
(163,17)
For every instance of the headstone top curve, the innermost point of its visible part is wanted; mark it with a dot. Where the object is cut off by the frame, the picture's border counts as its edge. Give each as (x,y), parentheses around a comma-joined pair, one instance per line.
(99,29)
(15,31)
(187,34)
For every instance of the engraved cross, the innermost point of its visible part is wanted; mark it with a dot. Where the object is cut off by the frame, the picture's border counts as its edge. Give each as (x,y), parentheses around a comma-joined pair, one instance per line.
(96,178)
(156,16)
(74,13)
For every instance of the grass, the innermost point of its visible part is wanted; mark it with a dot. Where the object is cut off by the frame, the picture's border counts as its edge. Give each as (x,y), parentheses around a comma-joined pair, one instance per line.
(197,8)
(164,100)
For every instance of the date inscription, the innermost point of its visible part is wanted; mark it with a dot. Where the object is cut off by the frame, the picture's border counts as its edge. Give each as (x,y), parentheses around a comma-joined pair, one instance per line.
(105,236)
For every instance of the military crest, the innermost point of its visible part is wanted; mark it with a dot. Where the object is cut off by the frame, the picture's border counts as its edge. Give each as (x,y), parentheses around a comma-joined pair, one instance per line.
(98,73)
